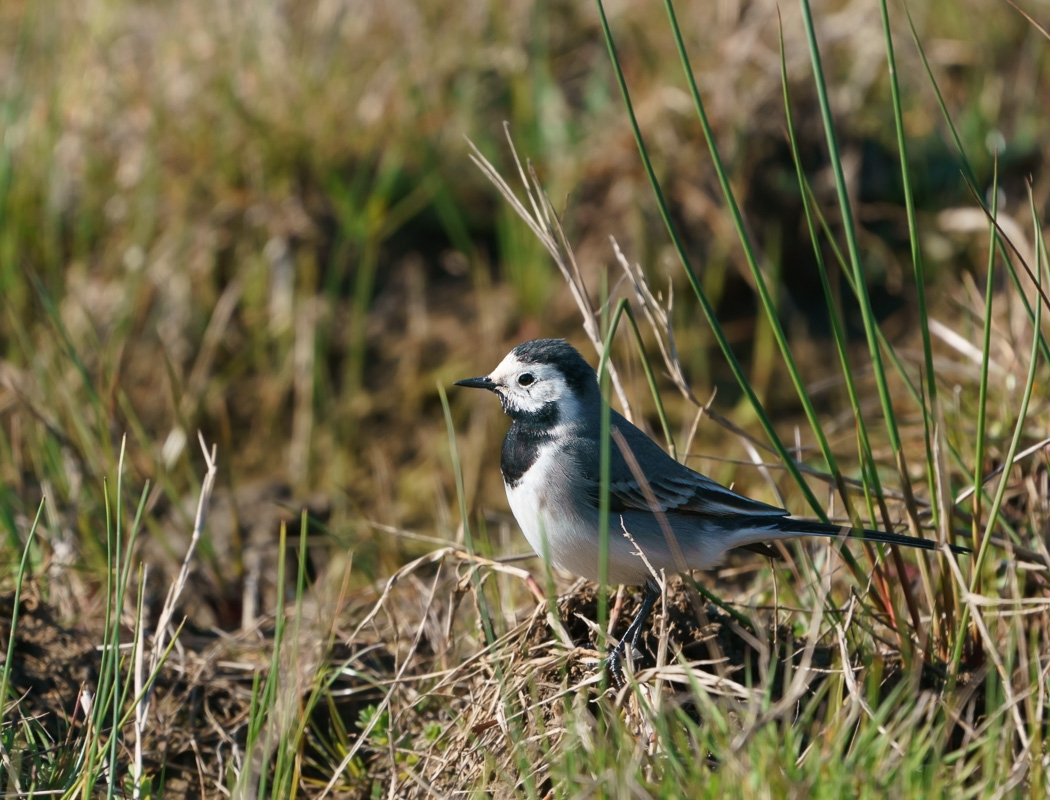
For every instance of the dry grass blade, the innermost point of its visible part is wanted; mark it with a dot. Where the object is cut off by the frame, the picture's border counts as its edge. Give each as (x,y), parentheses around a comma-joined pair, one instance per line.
(659,318)
(993,474)
(175,591)
(142,706)
(544,223)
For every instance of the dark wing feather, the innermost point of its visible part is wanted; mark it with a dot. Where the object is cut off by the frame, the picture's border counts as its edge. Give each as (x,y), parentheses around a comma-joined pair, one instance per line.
(676,488)
(680,491)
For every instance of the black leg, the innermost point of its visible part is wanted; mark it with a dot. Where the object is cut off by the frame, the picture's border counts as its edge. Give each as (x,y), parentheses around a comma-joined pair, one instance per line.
(614,663)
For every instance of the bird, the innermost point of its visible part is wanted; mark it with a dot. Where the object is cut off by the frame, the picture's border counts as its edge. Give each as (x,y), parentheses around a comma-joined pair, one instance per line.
(679,519)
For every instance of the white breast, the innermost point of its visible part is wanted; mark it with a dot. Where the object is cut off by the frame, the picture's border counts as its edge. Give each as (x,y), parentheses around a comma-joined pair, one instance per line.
(557,528)
(531,503)
(563,530)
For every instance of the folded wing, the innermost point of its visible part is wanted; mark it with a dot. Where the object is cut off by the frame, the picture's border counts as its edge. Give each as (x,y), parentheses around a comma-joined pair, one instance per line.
(676,489)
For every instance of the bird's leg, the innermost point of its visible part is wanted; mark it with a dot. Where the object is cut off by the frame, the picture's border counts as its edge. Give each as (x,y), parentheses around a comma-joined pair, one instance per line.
(614,663)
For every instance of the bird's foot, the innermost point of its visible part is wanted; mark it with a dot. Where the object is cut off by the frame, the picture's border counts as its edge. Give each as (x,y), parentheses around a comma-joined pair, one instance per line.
(614,665)
(632,638)
(614,662)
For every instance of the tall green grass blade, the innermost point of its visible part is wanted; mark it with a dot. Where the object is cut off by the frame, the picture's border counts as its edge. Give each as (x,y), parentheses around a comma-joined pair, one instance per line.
(290,737)
(270,716)
(113,640)
(768,303)
(108,667)
(839,335)
(998,241)
(256,719)
(971,180)
(852,246)
(708,309)
(23,564)
(860,286)
(1008,462)
(909,206)
(986,345)
(917,265)
(604,462)
(930,395)
(888,349)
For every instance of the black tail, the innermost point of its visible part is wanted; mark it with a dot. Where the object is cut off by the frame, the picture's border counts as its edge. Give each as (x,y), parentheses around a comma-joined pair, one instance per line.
(802,527)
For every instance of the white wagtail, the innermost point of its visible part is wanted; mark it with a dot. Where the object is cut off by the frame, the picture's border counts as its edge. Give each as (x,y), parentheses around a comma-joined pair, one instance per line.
(677,517)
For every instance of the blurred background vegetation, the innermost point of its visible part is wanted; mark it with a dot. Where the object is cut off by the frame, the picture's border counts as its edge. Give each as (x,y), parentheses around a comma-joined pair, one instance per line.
(259,220)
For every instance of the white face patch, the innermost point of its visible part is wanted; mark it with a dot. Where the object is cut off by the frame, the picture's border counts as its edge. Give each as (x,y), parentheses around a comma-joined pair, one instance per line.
(528,388)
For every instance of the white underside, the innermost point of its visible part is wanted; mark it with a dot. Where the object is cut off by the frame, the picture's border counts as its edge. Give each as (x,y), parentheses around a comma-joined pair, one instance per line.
(562,526)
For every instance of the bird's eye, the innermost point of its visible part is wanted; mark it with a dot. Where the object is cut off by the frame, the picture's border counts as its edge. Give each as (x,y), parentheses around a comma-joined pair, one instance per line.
(526,379)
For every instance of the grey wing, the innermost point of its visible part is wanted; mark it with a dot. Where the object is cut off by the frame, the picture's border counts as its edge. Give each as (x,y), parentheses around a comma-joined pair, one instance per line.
(676,489)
